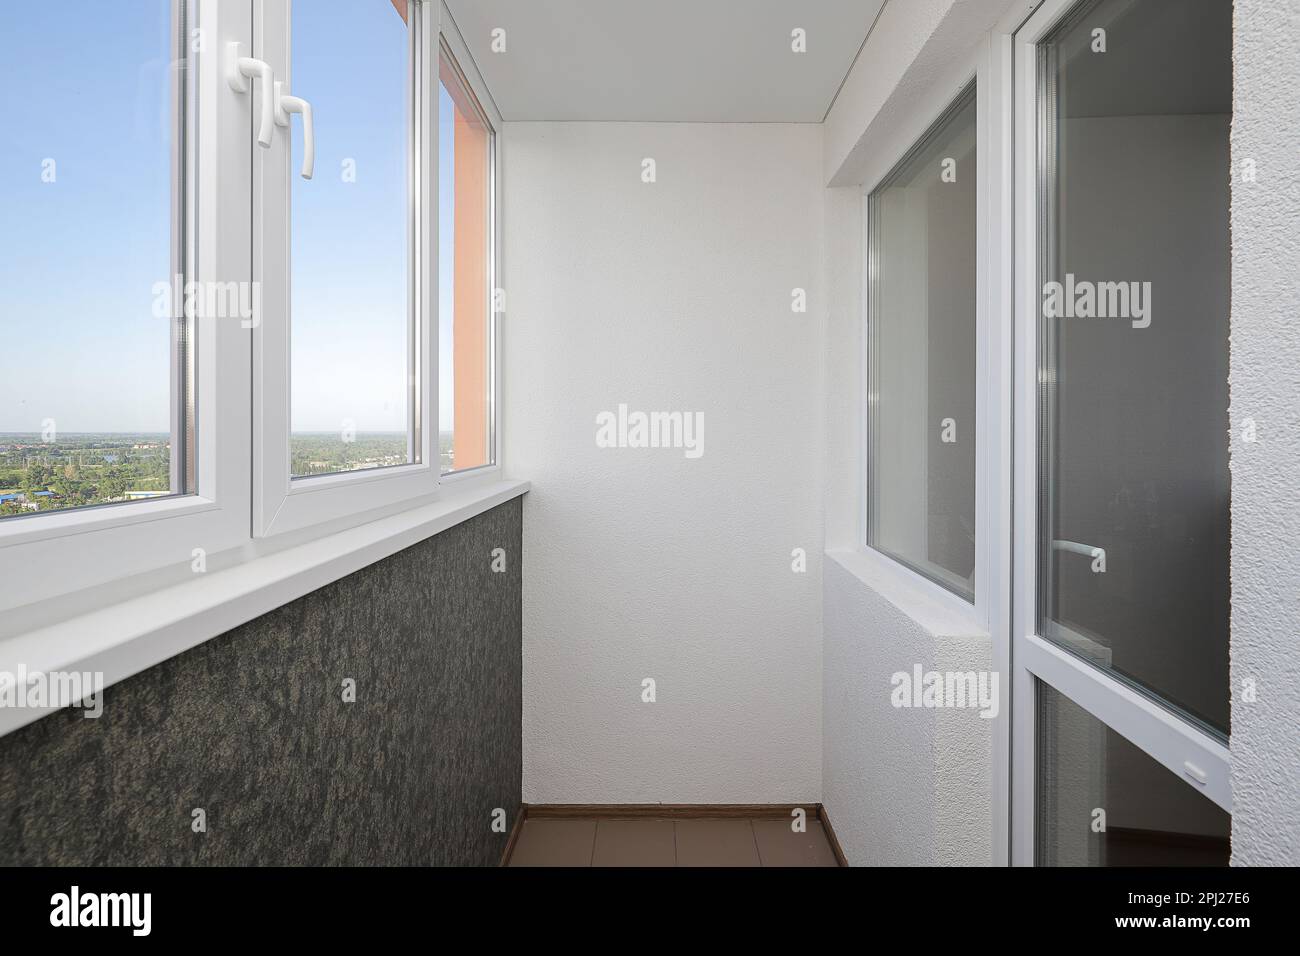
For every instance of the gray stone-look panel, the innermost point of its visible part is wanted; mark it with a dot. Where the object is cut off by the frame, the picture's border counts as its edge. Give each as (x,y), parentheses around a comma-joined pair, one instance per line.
(252,727)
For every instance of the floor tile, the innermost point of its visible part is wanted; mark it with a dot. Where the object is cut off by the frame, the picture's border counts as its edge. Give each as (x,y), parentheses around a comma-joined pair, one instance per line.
(554,843)
(635,843)
(715,843)
(778,845)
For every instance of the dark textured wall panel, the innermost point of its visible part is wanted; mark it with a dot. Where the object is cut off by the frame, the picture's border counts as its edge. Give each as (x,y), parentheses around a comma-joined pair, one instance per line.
(251,726)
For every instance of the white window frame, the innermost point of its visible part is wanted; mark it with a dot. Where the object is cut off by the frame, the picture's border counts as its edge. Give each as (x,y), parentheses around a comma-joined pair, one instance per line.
(117,588)
(986,66)
(1198,758)
(474,80)
(282,503)
(935,573)
(69,556)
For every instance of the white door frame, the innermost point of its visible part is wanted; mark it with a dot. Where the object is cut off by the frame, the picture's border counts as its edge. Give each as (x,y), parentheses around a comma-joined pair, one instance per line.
(1197,757)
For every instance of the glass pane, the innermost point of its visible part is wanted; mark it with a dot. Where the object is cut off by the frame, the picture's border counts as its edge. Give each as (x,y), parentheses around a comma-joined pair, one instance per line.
(353,391)
(464,275)
(92,269)
(1104,802)
(922,329)
(1134,329)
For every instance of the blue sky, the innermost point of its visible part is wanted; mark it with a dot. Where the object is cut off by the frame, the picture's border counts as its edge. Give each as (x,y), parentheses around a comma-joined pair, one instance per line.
(79,257)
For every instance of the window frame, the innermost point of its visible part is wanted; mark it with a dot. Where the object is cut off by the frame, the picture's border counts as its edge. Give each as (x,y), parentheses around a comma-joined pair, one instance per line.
(987,65)
(992,448)
(63,556)
(1198,758)
(464,63)
(119,587)
(967,96)
(284,505)
(281,502)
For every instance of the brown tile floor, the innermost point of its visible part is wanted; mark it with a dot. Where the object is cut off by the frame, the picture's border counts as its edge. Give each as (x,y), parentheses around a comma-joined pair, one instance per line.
(550,841)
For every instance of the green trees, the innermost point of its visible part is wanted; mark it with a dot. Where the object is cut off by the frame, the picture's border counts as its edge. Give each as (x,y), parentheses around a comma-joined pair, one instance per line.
(80,469)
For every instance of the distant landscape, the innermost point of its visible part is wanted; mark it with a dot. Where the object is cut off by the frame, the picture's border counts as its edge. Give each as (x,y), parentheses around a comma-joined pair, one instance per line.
(322,453)
(91,468)
(79,469)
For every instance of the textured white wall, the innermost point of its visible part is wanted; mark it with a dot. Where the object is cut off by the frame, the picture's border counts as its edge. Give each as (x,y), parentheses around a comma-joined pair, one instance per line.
(909,57)
(902,786)
(896,41)
(639,562)
(845,255)
(1265,388)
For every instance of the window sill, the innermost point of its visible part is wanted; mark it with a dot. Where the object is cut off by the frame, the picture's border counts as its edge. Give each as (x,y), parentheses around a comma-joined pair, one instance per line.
(125,638)
(936,609)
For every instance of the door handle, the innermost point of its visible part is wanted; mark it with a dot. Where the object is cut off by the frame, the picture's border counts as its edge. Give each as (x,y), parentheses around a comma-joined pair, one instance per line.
(286,104)
(1087,550)
(239,70)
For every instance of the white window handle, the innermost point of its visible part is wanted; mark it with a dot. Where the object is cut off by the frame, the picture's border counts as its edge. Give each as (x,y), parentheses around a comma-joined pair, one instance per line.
(286,104)
(1087,550)
(239,70)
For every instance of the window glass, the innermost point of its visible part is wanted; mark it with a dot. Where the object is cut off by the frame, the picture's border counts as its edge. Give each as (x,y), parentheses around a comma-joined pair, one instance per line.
(93,382)
(353,341)
(1104,802)
(465,259)
(922,355)
(1133,508)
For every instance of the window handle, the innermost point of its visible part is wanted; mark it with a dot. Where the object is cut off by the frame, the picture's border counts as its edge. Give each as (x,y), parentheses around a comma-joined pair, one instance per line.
(1075,547)
(286,104)
(239,70)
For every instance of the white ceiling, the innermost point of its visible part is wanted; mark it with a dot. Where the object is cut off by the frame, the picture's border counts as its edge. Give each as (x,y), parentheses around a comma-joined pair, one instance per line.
(664,60)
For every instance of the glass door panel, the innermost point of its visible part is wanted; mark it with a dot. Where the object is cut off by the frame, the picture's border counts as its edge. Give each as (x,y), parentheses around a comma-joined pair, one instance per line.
(1123,597)
(1133,417)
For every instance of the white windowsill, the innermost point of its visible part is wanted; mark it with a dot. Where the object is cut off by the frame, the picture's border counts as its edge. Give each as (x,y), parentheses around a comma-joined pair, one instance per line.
(930,605)
(135,634)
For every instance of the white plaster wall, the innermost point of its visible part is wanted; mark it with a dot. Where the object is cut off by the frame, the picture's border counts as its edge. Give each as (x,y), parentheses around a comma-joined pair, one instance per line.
(1265,388)
(902,786)
(671,296)
(845,255)
(910,56)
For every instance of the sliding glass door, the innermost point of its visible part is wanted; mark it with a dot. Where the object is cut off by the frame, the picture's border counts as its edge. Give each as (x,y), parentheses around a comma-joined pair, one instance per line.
(1121,591)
